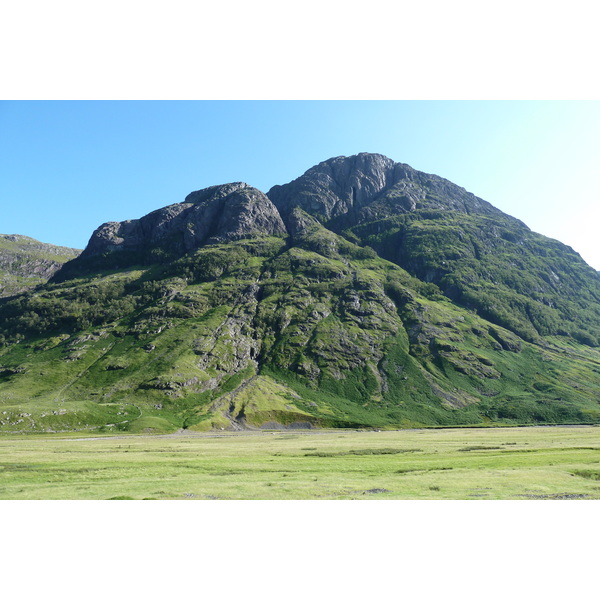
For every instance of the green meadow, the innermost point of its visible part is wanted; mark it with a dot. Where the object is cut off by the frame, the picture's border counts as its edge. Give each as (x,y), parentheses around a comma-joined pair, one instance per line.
(469,463)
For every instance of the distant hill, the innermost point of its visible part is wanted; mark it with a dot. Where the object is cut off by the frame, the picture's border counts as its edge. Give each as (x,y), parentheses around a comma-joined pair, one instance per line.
(362,294)
(26,263)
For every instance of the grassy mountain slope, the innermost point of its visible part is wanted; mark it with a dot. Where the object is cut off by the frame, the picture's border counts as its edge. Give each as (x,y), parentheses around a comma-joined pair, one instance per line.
(516,278)
(26,263)
(275,334)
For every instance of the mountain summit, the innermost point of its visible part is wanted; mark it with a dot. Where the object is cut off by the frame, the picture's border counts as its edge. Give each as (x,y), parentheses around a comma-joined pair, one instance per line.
(358,189)
(363,293)
(221,213)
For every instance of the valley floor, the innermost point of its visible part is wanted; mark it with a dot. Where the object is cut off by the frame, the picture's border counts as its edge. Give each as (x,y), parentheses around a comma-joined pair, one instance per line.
(559,462)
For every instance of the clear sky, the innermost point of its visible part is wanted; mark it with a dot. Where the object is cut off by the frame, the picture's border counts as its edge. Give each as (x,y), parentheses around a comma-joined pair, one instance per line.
(68,166)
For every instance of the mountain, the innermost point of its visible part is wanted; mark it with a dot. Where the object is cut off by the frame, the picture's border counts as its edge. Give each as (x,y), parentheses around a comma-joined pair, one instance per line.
(26,263)
(362,294)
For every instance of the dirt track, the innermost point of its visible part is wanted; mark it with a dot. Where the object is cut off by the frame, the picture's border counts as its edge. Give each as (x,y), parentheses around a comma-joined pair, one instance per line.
(246,432)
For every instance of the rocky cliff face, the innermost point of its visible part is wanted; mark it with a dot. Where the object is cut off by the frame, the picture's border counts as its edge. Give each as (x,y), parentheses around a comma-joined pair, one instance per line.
(337,186)
(220,213)
(347,191)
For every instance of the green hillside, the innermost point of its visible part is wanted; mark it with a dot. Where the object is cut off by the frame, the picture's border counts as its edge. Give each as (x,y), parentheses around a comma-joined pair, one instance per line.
(26,263)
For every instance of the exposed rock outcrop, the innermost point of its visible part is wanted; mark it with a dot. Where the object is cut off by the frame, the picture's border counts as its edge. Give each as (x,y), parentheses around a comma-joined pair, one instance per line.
(351,190)
(219,213)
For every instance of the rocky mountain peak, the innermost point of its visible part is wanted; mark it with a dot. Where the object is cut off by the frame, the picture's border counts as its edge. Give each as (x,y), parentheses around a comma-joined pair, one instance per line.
(341,191)
(218,213)
(215,192)
(356,178)
(336,186)
(346,191)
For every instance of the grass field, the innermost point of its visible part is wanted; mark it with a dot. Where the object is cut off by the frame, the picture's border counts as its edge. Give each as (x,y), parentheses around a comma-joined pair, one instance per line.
(496,463)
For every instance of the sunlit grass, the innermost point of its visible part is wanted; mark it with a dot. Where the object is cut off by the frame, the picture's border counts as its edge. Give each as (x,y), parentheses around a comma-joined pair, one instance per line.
(513,463)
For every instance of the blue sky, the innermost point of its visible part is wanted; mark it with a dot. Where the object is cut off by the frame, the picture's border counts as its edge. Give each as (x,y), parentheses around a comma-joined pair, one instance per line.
(68,166)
